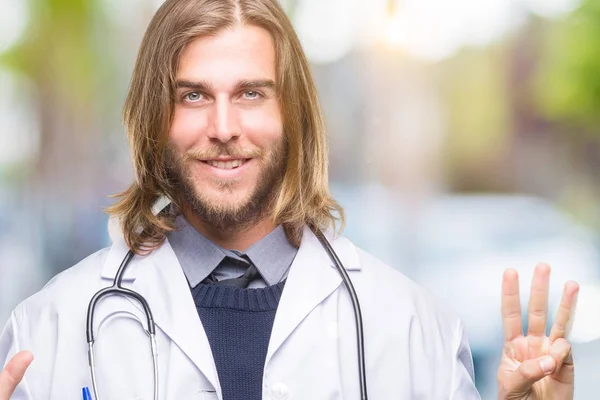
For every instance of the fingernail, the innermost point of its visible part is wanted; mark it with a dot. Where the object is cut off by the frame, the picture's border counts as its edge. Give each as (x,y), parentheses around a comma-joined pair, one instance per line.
(547,363)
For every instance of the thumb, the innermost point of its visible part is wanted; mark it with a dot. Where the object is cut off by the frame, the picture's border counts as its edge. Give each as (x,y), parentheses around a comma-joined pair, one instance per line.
(528,373)
(13,373)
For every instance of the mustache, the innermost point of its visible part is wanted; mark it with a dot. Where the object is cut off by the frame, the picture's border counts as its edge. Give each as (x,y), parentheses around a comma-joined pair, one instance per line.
(226,150)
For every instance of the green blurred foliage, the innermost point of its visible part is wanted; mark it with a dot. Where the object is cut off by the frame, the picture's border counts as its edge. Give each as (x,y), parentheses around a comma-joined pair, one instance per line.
(568,81)
(58,52)
(475,88)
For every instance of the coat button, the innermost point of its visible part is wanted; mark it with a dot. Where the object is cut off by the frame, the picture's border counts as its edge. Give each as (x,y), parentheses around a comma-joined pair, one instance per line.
(279,391)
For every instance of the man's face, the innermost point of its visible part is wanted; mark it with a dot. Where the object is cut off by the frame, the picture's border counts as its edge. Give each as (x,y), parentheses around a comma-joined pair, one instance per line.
(226,146)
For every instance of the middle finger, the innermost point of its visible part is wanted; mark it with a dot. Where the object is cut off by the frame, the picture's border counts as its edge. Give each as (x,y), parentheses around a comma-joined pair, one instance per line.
(538,301)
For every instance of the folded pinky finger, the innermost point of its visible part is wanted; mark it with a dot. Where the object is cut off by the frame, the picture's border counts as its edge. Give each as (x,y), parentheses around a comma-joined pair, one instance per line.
(561,353)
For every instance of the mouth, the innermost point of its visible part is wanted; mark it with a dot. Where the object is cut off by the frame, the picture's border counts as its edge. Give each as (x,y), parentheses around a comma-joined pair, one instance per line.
(227,164)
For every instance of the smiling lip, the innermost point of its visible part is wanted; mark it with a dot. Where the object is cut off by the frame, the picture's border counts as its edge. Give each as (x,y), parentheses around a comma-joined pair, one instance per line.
(226,163)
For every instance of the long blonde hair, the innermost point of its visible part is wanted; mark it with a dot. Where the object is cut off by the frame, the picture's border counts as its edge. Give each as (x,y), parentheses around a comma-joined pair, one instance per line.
(303,197)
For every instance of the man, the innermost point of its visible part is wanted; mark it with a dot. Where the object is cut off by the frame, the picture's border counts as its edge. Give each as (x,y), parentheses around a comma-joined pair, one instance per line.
(224,122)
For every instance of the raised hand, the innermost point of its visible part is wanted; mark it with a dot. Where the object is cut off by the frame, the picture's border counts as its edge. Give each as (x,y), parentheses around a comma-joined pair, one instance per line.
(13,373)
(535,366)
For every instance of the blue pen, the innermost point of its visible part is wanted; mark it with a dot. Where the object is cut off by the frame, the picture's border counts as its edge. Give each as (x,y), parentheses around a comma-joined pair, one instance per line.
(85,392)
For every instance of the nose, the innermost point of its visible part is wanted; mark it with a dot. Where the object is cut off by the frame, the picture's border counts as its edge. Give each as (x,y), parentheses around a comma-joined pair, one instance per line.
(225,126)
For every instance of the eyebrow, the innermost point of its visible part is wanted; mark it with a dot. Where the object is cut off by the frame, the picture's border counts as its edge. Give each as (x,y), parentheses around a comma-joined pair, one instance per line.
(199,85)
(255,84)
(204,86)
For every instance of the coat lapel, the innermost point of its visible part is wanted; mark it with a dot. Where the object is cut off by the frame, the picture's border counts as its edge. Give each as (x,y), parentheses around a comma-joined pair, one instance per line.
(159,278)
(311,279)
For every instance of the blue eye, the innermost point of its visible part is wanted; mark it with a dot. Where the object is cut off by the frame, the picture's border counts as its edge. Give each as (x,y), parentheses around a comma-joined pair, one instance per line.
(251,94)
(193,96)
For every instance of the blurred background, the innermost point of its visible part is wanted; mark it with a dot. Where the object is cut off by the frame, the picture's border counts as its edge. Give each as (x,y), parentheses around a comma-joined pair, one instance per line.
(465,139)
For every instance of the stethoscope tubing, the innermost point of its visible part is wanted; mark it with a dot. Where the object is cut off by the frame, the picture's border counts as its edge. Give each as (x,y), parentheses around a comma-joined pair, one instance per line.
(360,337)
(117,289)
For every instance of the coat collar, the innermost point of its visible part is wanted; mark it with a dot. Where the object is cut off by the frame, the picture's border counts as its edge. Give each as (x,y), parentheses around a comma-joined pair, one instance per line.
(160,279)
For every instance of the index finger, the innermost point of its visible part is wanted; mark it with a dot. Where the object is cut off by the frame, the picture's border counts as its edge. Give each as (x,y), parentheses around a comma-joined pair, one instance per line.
(511,305)
(565,311)
(13,373)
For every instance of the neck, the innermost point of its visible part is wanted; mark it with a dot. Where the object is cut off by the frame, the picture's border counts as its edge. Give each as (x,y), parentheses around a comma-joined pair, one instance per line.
(231,239)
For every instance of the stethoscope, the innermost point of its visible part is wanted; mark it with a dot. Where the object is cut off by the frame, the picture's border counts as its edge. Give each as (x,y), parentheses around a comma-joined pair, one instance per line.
(117,289)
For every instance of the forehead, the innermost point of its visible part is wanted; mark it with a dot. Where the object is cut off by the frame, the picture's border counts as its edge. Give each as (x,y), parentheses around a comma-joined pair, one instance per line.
(241,52)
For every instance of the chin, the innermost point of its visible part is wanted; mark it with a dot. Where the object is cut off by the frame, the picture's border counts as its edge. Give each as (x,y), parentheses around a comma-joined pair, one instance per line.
(226,201)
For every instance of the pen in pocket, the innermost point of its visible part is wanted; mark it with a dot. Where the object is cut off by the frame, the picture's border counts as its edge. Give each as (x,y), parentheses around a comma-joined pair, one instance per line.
(85,392)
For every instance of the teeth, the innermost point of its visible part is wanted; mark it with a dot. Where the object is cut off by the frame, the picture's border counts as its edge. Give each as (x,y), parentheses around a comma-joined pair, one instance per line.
(225,164)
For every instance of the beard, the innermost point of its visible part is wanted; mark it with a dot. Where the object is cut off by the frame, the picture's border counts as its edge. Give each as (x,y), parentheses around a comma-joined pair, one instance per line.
(220,215)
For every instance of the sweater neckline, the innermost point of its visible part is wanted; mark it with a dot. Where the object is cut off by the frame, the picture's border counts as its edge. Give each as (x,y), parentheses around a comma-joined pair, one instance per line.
(242,299)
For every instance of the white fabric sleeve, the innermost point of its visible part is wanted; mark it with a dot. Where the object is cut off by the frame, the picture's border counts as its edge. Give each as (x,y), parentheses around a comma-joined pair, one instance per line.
(463,374)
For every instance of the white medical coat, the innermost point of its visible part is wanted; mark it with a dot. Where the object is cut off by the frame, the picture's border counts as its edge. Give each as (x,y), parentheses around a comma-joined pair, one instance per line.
(415,348)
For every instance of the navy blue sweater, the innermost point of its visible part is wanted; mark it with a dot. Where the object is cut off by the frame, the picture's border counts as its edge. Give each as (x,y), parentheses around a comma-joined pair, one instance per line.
(238,323)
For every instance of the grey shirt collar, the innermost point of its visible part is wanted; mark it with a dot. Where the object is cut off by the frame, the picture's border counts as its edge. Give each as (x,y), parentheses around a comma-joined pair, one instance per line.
(199,256)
